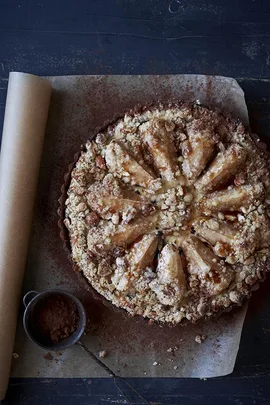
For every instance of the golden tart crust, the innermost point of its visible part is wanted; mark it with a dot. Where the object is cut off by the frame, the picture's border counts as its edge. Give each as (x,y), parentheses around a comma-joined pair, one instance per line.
(168,212)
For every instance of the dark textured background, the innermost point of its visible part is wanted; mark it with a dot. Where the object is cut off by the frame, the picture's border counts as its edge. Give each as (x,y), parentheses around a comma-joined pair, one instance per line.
(221,37)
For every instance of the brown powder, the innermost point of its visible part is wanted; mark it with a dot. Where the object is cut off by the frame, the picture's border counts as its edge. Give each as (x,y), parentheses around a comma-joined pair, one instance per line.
(55,318)
(48,356)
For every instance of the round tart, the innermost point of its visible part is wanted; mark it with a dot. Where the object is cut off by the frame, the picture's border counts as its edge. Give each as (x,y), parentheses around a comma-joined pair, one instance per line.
(168,213)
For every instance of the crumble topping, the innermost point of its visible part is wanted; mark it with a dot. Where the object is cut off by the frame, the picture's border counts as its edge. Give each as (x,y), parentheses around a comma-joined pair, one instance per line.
(168,213)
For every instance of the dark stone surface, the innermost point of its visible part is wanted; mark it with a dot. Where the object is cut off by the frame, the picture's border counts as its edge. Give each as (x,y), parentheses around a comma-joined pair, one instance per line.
(150,37)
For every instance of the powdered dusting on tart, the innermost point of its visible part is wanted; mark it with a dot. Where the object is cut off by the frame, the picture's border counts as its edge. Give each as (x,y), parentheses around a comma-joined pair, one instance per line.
(168,213)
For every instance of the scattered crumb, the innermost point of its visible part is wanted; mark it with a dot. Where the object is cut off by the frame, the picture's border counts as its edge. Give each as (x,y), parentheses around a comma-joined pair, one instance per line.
(176,347)
(156,363)
(175,367)
(145,373)
(59,353)
(200,338)
(102,354)
(48,356)
(15,355)
(152,344)
(170,350)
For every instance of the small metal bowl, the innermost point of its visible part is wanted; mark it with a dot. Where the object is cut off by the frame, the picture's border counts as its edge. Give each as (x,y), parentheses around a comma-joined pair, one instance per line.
(31,299)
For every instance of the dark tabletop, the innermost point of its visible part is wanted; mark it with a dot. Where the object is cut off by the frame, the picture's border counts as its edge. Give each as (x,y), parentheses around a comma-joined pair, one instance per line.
(215,37)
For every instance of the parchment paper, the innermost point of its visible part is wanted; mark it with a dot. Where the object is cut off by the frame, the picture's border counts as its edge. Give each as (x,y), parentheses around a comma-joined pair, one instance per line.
(79,105)
(24,127)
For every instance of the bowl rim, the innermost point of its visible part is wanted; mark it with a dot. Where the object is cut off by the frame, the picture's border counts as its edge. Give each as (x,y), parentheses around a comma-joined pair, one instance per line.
(74,337)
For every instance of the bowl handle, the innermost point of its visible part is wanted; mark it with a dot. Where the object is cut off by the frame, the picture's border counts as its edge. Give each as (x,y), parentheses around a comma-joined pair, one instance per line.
(28,297)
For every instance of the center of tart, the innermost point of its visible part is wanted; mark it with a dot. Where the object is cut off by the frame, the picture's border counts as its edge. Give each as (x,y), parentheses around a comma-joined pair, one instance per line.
(147,207)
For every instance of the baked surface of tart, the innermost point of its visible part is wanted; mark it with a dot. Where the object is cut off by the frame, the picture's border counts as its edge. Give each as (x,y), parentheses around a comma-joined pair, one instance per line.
(168,213)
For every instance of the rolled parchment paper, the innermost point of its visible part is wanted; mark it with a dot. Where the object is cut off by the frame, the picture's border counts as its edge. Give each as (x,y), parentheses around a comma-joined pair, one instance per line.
(26,113)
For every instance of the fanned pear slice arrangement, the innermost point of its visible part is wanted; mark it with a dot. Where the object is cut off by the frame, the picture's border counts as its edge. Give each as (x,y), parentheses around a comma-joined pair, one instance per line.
(168,213)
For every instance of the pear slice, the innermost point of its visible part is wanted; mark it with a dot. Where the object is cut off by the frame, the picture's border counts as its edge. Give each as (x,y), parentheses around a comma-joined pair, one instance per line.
(107,199)
(170,267)
(232,199)
(122,164)
(197,150)
(128,233)
(214,231)
(142,253)
(100,242)
(129,269)
(218,233)
(200,258)
(170,284)
(159,143)
(225,165)
(213,274)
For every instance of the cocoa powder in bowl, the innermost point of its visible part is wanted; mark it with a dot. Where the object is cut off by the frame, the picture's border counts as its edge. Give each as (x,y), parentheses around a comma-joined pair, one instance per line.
(55,318)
